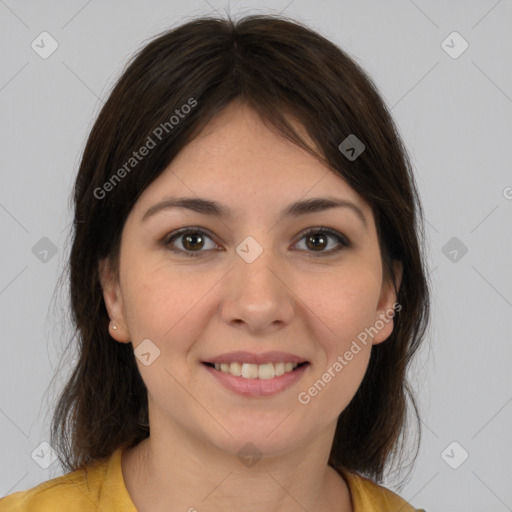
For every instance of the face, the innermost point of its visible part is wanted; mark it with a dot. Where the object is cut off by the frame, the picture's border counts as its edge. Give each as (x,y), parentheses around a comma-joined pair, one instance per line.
(252,281)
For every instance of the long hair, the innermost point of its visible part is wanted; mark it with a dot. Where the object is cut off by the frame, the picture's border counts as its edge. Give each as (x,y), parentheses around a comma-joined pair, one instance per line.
(283,70)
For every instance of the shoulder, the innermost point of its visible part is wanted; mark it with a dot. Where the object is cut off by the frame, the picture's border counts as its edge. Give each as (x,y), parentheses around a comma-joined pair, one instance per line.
(369,496)
(79,490)
(60,491)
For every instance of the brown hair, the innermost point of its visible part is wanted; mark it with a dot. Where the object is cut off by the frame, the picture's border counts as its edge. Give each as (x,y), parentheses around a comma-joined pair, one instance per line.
(283,70)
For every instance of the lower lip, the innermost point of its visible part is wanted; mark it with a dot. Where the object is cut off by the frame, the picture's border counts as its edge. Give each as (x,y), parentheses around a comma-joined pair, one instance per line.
(257,387)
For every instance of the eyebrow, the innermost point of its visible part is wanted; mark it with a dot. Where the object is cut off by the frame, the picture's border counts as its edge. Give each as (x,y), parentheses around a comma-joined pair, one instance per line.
(296,209)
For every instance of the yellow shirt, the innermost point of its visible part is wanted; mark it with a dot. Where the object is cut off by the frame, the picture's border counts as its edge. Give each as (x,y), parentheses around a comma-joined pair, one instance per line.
(102,487)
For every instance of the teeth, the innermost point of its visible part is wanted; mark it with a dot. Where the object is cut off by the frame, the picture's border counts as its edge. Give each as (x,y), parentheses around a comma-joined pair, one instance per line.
(266,371)
(255,371)
(278,369)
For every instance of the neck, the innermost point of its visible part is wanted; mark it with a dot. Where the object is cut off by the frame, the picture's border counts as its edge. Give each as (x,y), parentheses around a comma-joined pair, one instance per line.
(175,471)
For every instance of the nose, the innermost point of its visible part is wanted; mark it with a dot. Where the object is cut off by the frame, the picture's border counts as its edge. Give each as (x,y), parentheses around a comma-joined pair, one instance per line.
(258,295)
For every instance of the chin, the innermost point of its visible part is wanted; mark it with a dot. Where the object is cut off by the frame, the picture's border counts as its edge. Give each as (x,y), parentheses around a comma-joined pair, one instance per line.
(256,440)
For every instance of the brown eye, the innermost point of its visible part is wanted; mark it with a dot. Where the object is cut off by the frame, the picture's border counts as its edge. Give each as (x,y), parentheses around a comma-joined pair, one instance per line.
(317,239)
(192,241)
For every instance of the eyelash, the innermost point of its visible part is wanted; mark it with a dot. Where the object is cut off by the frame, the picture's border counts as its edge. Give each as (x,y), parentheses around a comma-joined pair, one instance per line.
(343,241)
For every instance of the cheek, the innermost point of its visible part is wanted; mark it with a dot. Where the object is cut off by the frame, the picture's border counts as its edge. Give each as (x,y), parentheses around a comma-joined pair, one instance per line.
(164,302)
(345,304)
(344,310)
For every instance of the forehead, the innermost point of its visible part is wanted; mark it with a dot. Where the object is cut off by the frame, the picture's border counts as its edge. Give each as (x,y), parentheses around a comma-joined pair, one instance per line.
(241,161)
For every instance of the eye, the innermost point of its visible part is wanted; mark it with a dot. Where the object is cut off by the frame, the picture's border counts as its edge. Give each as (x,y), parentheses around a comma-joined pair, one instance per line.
(193,240)
(318,238)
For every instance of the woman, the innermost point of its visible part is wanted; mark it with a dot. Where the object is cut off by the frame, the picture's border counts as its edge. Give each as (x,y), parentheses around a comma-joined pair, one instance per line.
(246,282)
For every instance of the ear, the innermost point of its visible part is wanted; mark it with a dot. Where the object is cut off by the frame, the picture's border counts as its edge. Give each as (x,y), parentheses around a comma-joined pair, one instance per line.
(113,298)
(387,306)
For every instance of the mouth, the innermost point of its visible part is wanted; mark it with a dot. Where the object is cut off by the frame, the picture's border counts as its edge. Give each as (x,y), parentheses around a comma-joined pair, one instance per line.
(256,371)
(257,380)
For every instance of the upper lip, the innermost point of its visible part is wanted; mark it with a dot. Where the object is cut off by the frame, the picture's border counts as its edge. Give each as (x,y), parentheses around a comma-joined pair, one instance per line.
(251,358)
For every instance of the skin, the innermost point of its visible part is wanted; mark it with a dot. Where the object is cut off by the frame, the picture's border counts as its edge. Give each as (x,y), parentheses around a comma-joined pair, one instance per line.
(287,299)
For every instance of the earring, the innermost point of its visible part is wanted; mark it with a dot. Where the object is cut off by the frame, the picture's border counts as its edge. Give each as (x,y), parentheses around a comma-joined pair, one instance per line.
(114,327)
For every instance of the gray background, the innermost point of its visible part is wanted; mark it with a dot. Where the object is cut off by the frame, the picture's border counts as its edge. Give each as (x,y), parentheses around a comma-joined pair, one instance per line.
(454,115)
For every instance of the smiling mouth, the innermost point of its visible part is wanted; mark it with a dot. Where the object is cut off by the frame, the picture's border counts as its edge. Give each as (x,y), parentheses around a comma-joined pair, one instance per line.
(256,371)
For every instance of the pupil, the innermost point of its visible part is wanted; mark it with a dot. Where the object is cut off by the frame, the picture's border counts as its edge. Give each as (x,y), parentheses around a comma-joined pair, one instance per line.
(188,239)
(190,243)
(312,237)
